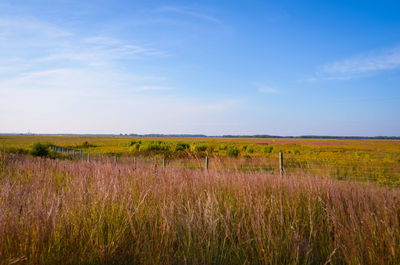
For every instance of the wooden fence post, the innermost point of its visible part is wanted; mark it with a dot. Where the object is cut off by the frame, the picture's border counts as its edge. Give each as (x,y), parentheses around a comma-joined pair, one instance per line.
(206,163)
(164,162)
(281,164)
(88,156)
(134,163)
(80,154)
(115,158)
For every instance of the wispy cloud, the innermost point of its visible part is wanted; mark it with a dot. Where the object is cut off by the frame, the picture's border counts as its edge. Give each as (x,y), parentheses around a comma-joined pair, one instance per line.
(90,102)
(122,49)
(324,77)
(27,35)
(81,81)
(224,106)
(11,26)
(187,11)
(267,89)
(97,51)
(57,58)
(359,66)
(375,61)
(152,88)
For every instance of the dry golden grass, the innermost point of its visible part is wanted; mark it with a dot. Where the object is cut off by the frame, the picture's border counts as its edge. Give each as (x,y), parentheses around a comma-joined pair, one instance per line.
(74,212)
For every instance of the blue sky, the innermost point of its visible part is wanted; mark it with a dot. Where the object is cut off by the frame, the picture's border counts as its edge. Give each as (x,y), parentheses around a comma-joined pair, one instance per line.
(211,67)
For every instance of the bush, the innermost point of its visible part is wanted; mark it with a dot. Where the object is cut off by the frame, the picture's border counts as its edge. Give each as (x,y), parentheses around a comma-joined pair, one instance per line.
(181,147)
(222,147)
(250,149)
(232,151)
(135,142)
(210,149)
(86,144)
(195,147)
(39,149)
(267,149)
(154,146)
(134,147)
(15,150)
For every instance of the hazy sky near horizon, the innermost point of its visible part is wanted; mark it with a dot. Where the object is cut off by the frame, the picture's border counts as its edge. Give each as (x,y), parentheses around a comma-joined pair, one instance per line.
(210,67)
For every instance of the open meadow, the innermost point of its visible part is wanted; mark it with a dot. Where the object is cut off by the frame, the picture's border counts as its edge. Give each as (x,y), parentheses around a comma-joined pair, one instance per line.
(62,209)
(345,159)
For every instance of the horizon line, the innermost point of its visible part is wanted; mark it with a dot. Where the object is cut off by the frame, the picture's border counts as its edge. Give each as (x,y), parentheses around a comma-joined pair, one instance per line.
(199,135)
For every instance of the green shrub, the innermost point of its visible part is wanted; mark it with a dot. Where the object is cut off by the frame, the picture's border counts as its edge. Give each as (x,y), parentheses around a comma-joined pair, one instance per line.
(267,149)
(222,147)
(201,148)
(181,147)
(210,149)
(17,150)
(154,146)
(134,147)
(250,149)
(135,142)
(86,144)
(232,151)
(196,147)
(39,149)
(296,152)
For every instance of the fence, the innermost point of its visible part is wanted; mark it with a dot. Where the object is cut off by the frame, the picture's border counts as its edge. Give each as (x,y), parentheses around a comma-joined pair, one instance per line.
(278,165)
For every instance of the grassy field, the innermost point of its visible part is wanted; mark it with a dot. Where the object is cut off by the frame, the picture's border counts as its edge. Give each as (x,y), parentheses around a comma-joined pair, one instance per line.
(75,212)
(62,210)
(364,160)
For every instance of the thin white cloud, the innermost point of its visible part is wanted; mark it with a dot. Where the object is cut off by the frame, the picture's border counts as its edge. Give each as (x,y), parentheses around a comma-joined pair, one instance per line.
(358,66)
(188,12)
(11,26)
(152,88)
(224,106)
(267,89)
(82,101)
(320,77)
(64,81)
(375,61)
(120,48)
(80,81)
(35,42)
(98,51)
(57,59)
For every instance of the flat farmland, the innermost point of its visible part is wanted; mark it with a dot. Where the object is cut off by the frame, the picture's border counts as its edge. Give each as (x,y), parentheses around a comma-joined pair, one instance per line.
(57,208)
(365,160)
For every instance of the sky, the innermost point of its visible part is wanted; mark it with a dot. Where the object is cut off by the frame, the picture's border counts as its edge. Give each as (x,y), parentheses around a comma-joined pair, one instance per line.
(200,67)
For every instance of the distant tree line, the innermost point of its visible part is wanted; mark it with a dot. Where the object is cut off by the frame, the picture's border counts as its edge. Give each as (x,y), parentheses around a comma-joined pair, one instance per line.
(223,136)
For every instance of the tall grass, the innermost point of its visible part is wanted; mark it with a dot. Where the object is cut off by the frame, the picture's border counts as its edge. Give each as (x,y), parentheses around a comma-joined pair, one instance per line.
(68,212)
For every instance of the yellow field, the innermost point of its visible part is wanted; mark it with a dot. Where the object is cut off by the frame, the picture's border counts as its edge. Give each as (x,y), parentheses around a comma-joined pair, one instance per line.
(371,160)
(60,209)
